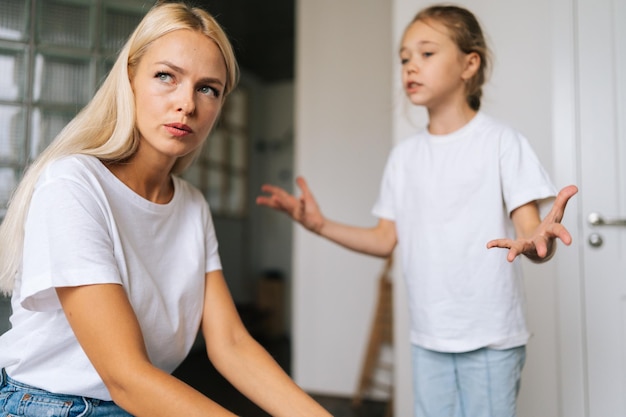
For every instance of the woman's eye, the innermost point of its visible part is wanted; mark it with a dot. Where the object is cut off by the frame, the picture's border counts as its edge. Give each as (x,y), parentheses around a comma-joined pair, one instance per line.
(404,61)
(427,54)
(163,76)
(209,91)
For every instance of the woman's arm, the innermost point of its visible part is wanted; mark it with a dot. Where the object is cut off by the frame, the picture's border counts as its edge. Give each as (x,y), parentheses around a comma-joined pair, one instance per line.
(108,331)
(243,362)
(536,238)
(379,240)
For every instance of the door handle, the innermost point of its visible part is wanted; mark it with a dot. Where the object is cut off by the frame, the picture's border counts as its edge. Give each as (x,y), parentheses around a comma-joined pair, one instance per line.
(596,219)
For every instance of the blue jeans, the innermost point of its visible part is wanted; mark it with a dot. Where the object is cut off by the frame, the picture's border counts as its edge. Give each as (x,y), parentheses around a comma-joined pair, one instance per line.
(481,383)
(17,399)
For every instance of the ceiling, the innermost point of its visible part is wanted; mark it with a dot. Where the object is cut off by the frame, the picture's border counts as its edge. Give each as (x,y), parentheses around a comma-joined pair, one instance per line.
(262,34)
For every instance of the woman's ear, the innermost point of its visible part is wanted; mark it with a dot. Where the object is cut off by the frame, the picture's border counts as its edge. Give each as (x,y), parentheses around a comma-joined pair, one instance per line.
(131,76)
(472,64)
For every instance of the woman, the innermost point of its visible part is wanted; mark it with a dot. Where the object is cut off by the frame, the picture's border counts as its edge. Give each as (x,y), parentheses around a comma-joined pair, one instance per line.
(112,259)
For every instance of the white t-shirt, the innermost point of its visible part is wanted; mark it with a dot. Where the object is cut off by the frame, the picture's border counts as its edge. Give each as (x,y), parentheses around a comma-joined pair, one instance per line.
(85,227)
(449,195)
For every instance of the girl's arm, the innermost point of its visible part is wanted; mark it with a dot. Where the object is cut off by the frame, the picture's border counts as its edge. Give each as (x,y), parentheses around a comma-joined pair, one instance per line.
(243,362)
(106,327)
(379,240)
(535,238)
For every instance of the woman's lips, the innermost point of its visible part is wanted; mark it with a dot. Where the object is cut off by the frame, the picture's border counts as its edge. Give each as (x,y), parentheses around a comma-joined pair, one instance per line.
(178,129)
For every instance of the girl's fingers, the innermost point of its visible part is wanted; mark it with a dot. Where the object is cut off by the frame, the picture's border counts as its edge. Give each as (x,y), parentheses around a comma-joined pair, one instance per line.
(562,198)
(513,253)
(304,187)
(500,243)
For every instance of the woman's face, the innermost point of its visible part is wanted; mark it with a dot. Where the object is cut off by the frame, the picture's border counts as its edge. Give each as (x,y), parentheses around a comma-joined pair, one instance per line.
(178,86)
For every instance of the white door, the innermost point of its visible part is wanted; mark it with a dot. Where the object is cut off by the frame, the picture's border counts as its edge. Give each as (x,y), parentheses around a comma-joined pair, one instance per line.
(601,31)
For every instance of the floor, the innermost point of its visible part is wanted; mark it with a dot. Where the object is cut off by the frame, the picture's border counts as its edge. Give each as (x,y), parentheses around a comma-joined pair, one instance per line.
(198,372)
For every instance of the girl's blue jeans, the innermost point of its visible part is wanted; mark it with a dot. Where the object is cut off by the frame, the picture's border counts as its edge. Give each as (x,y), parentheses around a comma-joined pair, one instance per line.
(21,400)
(481,383)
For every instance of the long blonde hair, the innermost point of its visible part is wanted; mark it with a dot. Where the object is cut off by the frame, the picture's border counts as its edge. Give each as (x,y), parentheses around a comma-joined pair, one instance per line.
(105,128)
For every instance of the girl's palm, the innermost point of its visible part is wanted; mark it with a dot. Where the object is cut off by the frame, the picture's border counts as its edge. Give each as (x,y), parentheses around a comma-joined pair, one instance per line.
(303,209)
(540,243)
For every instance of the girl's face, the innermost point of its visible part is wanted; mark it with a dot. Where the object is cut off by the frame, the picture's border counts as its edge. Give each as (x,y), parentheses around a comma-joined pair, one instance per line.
(178,86)
(434,70)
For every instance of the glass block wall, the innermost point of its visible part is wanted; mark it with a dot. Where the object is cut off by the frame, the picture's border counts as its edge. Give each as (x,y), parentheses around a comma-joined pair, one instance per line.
(221,170)
(53,54)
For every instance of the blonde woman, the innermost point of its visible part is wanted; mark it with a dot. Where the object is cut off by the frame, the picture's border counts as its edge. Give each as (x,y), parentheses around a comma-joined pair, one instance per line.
(112,259)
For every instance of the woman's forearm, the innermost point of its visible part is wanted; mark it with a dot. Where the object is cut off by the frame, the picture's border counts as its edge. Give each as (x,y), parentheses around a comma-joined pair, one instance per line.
(253,371)
(153,393)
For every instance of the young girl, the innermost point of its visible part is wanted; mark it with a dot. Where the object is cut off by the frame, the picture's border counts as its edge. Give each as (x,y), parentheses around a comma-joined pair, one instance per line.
(445,193)
(112,259)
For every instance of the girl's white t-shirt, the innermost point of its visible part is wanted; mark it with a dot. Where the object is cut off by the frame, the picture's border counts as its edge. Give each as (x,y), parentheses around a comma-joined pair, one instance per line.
(448,196)
(84,227)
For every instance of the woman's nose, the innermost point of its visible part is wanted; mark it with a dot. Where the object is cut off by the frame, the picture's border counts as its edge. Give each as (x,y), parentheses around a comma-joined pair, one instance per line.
(186,102)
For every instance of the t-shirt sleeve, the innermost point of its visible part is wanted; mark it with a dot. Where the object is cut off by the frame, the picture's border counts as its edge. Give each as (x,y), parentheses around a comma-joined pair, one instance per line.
(523,177)
(384,206)
(67,243)
(213,261)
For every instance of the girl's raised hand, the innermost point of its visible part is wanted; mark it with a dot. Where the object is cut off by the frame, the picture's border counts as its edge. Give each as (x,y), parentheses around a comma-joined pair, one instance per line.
(539,247)
(303,209)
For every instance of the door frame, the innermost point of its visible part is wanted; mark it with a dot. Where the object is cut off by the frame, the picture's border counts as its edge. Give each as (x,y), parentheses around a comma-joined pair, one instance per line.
(574,400)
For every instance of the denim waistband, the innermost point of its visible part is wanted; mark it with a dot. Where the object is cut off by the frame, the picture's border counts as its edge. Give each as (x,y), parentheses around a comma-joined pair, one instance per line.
(5,380)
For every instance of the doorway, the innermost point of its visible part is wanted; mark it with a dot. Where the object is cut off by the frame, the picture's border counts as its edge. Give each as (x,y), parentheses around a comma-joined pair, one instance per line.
(593,290)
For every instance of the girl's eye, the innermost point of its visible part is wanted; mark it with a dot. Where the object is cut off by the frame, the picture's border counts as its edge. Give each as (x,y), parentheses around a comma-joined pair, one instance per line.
(209,91)
(427,54)
(404,61)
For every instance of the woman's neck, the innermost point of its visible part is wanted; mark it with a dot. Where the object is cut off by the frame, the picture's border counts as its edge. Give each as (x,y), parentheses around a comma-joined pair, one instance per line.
(151,182)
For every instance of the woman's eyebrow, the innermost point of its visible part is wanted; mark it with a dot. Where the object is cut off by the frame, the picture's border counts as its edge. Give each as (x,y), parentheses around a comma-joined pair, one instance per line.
(172,66)
(209,80)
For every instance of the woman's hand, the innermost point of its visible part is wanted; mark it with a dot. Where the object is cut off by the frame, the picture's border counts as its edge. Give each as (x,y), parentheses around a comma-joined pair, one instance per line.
(303,209)
(244,362)
(537,241)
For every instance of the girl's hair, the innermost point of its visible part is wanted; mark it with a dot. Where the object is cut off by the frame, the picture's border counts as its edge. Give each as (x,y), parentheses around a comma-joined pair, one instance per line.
(465,31)
(105,128)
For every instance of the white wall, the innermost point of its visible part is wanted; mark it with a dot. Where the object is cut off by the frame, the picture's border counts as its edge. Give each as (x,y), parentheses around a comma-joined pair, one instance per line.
(342,137)
(340,141)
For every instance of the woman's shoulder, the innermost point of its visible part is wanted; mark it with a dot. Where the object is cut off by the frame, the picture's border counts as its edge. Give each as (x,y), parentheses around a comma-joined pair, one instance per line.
(186,191)
(73,166)
(71,175)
